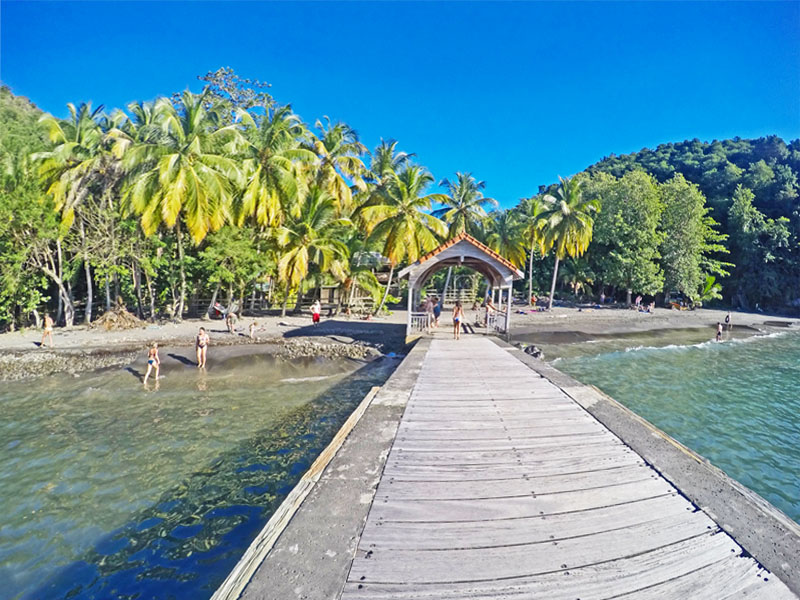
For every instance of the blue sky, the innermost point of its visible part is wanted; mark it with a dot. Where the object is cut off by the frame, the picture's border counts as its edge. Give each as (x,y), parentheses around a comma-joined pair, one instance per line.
(516,93)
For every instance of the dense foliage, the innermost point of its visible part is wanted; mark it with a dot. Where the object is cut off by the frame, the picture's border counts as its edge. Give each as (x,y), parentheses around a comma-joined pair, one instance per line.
(752,189)
(228,192)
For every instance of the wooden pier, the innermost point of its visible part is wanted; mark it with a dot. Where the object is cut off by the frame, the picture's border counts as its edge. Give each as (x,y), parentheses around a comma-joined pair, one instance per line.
(499,485)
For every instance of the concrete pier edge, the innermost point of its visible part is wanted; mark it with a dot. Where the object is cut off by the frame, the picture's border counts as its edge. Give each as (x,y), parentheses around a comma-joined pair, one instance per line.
(310,554)
(766,533)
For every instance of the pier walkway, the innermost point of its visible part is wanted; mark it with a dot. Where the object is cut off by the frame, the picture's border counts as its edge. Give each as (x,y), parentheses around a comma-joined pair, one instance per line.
(499,485)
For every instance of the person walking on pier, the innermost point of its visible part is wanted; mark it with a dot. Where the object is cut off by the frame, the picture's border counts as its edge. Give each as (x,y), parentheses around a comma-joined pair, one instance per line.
(458,317)
(201,347)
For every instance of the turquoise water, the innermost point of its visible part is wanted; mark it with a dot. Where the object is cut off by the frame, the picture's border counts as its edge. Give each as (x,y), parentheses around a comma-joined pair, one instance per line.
(110,490)
(737,403)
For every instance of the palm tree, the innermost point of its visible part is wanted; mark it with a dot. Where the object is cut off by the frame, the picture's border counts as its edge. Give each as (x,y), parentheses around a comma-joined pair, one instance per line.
(395,215)
(386,160)
(339,153)
(182,176)
(76,166)
(567,224)
(505,236)
(465,206)
(533,230)
(272,150)
(464,209)
(309,236)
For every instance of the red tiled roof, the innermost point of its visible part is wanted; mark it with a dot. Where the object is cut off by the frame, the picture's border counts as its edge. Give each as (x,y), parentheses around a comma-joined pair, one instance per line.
(474,242)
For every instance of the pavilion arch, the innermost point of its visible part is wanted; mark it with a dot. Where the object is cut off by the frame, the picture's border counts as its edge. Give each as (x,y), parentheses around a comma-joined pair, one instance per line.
(465,251)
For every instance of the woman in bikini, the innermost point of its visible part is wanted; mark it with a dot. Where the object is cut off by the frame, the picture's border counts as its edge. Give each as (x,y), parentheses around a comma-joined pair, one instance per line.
(48,330)
(153,362)
(201,346)
(458,316)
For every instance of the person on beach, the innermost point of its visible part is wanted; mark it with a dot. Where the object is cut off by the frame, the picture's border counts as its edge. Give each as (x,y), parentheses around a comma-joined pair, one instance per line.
(437,311)
(153,362)
(316,309)
(458,316)
(728,324)
(719,332)
(638,301)
(253,326)
(48,330)
(230,321)
(602,298)
(201,347)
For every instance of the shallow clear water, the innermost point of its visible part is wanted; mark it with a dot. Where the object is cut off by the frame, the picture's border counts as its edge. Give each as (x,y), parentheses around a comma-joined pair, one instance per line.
(108,490)
(737,403)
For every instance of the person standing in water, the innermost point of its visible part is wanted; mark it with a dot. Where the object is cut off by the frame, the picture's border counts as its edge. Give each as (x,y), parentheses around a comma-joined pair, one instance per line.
(48,330)
(458,316)
(316,309)
(719,332)
(201,347)
(728,324)
(153,362)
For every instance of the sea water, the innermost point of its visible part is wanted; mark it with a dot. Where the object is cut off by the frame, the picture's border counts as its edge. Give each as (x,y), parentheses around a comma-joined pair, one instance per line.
(736,402)
(110,490)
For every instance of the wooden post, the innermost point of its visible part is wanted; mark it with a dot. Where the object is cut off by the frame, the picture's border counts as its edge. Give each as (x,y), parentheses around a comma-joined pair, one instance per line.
(410,301)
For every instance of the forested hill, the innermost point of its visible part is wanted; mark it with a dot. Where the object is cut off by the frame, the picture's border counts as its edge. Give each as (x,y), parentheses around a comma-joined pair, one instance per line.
(753,191)
(768,166)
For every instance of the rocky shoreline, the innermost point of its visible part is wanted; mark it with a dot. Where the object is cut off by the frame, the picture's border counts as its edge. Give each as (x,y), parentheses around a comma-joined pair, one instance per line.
(29,364)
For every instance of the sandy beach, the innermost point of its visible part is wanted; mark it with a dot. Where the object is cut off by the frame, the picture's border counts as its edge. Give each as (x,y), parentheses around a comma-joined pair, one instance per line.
(82,348)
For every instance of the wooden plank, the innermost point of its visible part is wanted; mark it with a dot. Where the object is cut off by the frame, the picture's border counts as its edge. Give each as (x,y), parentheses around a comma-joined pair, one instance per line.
(486,534)
(466,564)
(400,489)
(512,507)
(601,580)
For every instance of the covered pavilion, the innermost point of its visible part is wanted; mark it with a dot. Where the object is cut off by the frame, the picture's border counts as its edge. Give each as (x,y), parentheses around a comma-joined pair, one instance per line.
(462,251)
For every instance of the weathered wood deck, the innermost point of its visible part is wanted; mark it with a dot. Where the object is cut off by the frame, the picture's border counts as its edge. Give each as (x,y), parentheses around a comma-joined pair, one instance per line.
(499,485)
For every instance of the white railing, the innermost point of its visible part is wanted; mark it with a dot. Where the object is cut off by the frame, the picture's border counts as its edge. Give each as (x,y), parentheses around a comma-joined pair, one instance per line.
(420,322)
(496,322)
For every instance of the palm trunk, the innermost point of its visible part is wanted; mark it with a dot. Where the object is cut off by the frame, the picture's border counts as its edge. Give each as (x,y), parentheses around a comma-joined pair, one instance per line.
(152,296)
(213,301)
(446,285)
(182,300)
(108,294)
(386,292)
(530,278)
(285,302)
(87,314)
(553,285)
(137,283)
(629,291)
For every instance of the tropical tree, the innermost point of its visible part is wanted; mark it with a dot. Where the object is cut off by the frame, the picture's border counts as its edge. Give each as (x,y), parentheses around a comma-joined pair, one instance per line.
(395,216)
(183,176)
(464,210)
(578,275)
(464,206)
(529,210)
(70,171)
(386,160)
(272,153)
(568,223)
(339,153)
(310,235)
(505,235)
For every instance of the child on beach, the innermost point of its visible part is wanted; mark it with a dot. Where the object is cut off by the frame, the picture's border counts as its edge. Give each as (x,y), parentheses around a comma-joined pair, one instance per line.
(48,330)
(316,309)
(153,362)
(253,326)
(201,347)
(230,321)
